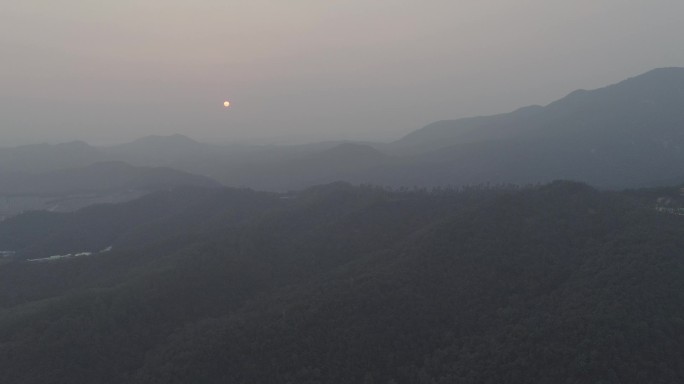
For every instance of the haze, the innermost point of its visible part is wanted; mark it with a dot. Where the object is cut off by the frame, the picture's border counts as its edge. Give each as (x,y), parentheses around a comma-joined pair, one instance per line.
(307,70)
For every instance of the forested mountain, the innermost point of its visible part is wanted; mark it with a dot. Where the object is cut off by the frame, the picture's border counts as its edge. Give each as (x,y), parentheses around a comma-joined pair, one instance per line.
(341,284)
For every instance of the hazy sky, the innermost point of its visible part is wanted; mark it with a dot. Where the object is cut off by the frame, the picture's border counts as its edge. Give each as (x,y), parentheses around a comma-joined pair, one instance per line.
(110,71)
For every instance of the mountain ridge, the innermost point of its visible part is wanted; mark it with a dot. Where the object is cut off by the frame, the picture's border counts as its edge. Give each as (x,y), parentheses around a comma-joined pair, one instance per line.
(621,135)
(658,82)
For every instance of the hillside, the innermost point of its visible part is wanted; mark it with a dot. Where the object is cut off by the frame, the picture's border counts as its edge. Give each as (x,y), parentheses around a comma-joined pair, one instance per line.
(339,284)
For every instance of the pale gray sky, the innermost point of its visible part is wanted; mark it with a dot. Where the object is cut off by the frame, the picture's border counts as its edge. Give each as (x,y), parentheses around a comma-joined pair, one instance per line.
(110,71)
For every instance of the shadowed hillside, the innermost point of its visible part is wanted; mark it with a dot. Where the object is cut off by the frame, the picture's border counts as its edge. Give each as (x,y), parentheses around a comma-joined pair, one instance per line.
(339,284)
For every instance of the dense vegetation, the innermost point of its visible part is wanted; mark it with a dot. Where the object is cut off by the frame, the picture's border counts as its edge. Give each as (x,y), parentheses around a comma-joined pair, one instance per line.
(338,284)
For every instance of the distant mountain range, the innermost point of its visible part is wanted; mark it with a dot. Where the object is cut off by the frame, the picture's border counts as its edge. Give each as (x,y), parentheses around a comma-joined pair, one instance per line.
(624,135)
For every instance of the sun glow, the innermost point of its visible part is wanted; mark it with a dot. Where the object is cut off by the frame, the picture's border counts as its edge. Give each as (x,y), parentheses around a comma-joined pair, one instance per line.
(226,104)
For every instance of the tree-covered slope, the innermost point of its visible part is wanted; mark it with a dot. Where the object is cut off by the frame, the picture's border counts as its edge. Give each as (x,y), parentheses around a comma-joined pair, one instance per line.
(339,284)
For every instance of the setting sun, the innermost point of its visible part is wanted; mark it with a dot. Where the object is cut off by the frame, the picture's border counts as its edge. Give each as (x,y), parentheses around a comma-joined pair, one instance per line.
(226,104)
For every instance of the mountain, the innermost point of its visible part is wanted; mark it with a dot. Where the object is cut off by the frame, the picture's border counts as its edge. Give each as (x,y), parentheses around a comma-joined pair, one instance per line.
(274,168)
(97,178)
(161,150)
(646,104)
(451,132)
(625,134)
(71,189)
(258,166)
(340,284)
(301,167)
(173,213)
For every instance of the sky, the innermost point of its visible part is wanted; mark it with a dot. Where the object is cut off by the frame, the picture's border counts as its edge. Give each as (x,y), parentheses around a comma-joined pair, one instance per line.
(308,70)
